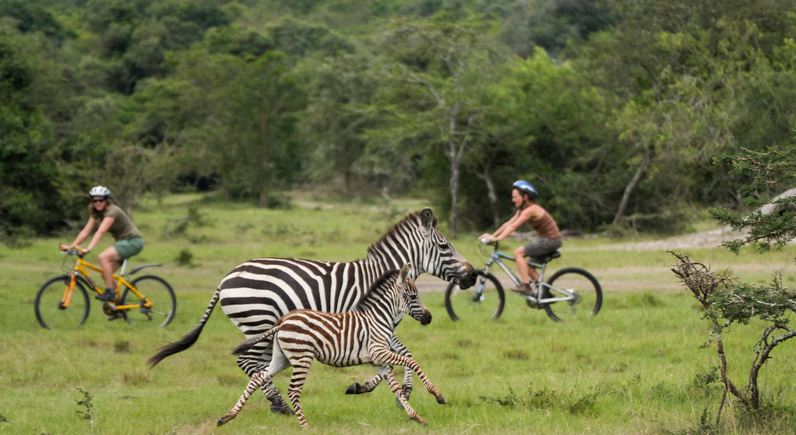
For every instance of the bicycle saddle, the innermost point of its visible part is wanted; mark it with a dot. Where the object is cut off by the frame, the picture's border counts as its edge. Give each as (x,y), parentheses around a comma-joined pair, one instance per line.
(551,256)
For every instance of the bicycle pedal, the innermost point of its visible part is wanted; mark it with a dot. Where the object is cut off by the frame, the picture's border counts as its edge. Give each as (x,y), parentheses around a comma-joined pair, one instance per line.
(109,309)
(534,305)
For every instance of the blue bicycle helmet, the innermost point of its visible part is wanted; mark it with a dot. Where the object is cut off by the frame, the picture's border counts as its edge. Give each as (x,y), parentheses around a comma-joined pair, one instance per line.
(524,186)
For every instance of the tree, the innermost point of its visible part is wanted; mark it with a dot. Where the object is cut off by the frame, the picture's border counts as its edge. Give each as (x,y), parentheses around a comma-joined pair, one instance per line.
(548,121)
(37,192)
(690,77)
(226,115)
(444,65)
(726,300)
(336,118)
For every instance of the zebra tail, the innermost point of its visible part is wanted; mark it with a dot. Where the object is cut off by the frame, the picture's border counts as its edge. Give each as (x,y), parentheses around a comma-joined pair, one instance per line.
(249,343)
(188,339)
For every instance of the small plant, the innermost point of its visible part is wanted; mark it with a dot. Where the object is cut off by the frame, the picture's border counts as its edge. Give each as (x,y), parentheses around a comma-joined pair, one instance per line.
(544,398)
(276,201)
(197,217)
(122,346)
(516,354)
(185,258)
(86,408)
(180,226)
(3,419)
(704,380)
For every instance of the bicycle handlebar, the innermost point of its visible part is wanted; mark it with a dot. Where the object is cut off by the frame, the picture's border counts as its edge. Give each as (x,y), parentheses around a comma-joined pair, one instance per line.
(80,252)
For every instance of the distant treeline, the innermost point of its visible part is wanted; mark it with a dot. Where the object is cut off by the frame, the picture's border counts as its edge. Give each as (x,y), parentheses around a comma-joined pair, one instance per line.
(623,112)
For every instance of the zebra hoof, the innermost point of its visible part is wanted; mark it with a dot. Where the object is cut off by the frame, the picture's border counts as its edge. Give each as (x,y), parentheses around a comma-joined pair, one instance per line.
(222,420)
(419,420)
(441,400)
(354,388)
(281,409)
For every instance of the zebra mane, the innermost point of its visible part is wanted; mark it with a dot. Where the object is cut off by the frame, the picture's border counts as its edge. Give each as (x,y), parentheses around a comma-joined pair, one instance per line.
(372,291)
(412,218)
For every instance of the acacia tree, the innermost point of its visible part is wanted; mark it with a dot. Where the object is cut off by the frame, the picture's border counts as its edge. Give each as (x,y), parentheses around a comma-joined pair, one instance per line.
(445,65)
(728,301)
(772,224)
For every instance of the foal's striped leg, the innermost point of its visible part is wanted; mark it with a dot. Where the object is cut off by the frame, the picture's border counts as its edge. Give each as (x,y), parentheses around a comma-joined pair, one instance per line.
(367,387)
(300,369)
(390,358)
(406,389)
(401,349)
(396,389)
(255,382)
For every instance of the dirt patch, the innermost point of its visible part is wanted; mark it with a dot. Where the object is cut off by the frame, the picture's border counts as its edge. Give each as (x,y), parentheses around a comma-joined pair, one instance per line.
(653,278)
(704,239)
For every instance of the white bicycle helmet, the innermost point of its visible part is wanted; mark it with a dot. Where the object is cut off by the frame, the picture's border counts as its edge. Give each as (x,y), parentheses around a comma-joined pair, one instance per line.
(99,191)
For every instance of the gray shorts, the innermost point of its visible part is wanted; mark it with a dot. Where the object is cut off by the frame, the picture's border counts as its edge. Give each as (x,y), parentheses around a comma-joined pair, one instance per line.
(541,246)
(128,247)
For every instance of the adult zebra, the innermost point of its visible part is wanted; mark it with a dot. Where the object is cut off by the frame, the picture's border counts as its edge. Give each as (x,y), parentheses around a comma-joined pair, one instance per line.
(347,339)
(257,293)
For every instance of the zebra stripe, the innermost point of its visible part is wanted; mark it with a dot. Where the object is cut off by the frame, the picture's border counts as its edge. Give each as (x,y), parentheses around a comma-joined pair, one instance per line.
(342,340)
(257,293)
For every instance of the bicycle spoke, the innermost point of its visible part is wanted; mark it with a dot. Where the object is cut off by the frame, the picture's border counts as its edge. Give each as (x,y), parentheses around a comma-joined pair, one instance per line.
(582,292)
(158,307)
(50,311)
(482,302)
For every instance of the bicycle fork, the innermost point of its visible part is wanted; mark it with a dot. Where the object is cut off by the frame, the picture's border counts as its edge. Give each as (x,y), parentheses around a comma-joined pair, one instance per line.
(68,291)
(478,296)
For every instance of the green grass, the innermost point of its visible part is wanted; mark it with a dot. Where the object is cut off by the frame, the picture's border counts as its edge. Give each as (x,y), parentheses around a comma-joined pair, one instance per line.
(639,367)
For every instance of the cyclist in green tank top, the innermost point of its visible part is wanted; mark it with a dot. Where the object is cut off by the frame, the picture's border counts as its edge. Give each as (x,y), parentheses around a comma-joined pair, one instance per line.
(104,216)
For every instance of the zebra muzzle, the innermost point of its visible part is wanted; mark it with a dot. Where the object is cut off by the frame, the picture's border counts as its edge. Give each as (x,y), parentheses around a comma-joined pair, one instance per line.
(468,277)
(425,318)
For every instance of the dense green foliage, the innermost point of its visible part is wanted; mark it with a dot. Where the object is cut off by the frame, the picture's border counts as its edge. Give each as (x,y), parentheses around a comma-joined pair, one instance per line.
(616,108)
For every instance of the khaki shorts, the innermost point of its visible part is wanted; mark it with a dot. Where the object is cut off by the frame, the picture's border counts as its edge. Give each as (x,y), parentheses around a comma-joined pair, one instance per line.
(541,246)
(129,247)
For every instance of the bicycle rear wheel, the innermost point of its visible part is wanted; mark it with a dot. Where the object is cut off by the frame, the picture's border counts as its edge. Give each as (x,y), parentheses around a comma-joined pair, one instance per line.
(164,303)
(483,301)
(50,311)
(585,289)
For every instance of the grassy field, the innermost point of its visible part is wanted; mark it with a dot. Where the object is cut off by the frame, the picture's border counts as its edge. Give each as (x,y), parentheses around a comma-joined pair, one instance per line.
(639,367)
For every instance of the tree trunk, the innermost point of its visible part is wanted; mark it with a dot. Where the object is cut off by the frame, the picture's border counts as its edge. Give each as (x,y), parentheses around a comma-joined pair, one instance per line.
(491,195)
(454,186)
(632,185)
(762,355)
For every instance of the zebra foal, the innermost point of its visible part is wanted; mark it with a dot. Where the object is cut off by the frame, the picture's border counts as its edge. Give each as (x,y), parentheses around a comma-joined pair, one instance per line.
(341,340)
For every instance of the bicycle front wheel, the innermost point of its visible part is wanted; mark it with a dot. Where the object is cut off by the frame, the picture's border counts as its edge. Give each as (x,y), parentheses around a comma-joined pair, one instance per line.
(583,289)
(481,302)
(159,292)
(52,313)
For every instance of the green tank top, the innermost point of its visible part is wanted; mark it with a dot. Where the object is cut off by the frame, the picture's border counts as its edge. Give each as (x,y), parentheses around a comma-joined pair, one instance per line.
(122,228)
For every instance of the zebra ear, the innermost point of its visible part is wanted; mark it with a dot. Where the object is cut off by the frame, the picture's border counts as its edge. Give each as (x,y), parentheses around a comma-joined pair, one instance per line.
(427,218)
(405,271)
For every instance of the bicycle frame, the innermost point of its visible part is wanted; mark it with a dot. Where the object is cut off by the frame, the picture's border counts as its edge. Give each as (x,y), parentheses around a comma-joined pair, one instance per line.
(497,257)
(83,269)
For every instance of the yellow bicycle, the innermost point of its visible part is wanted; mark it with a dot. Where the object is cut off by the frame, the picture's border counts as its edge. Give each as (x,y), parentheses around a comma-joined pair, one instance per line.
(63,301)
